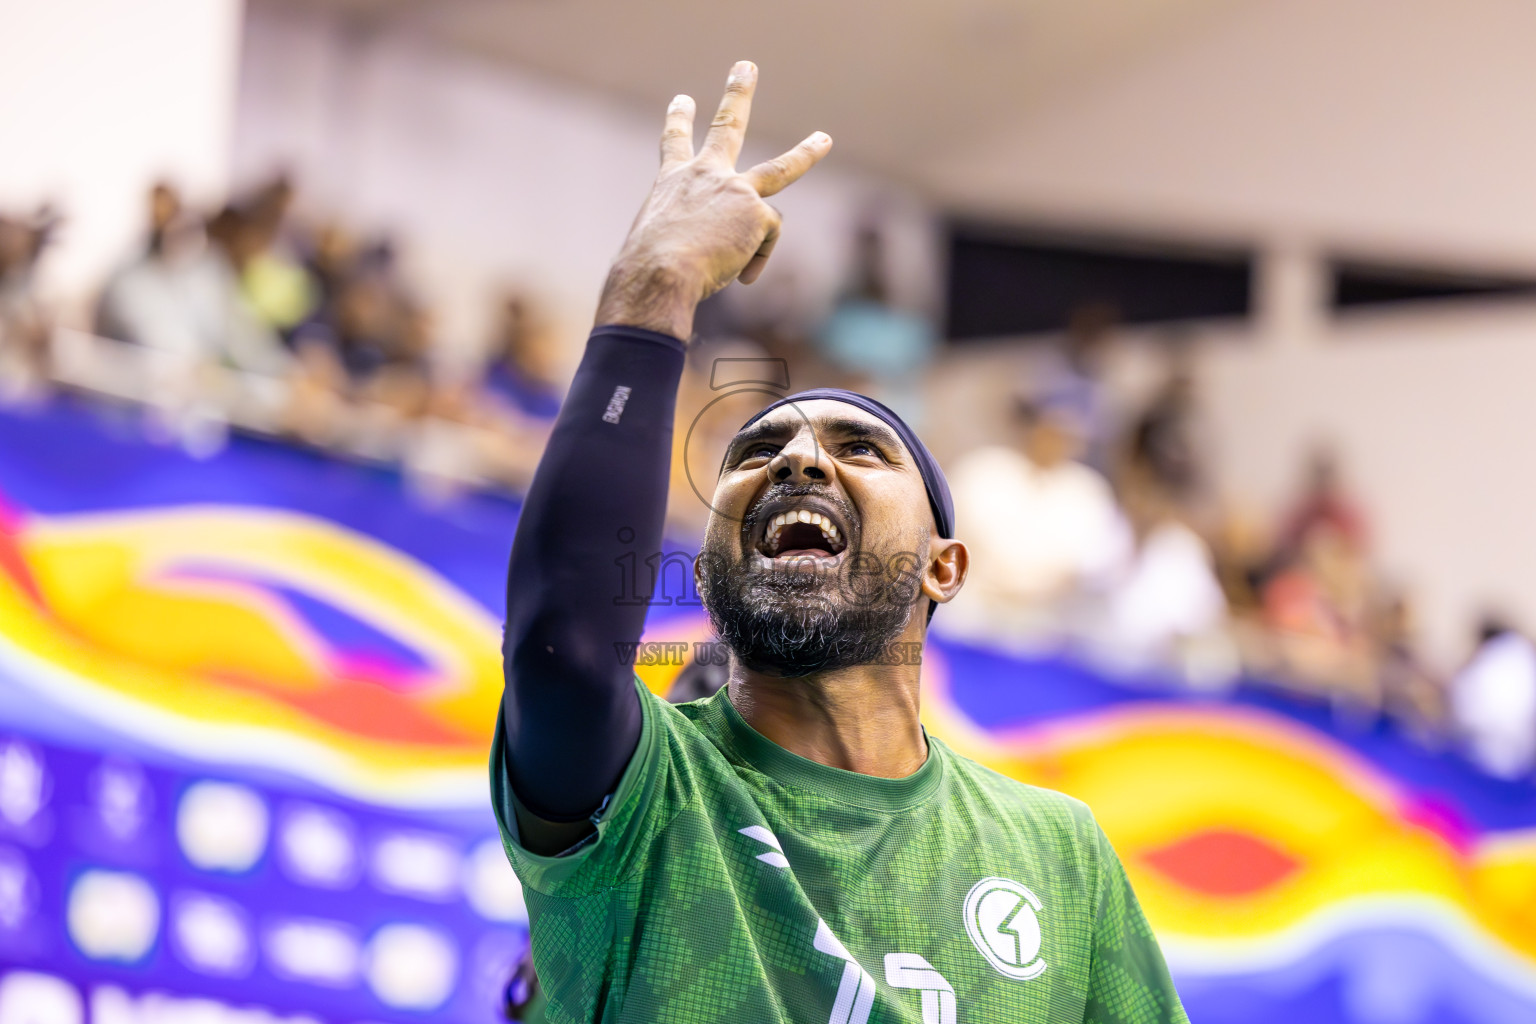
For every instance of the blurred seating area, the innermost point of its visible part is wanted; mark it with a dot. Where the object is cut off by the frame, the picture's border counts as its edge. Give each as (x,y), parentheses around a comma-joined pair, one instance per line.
(249,317)
(1097,532)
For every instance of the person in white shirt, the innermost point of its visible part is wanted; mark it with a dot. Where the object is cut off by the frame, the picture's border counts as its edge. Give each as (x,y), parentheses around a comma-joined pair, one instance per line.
(1493,701)
(1043,529)
(1166,609)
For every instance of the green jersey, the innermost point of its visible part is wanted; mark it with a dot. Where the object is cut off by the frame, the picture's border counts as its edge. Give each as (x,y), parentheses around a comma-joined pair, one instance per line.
(731,880)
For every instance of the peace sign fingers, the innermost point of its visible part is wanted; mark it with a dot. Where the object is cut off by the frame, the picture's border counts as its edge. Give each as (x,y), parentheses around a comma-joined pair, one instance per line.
(677,135)
(777,174)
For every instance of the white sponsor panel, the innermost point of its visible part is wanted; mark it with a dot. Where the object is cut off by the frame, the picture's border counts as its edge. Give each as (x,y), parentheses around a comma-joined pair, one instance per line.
(221,826)
(491,886)
(411,967)
(212,935)
(314,951)
(318,846)
(27,997)
(112,915)
(23,783)
(417,864)
(18,890)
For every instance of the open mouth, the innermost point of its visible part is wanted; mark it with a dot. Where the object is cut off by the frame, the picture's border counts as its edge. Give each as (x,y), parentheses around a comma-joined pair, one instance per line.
(802,532)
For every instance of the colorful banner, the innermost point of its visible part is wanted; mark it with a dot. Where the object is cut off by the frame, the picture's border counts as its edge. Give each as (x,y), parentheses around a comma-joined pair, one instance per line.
(245,705)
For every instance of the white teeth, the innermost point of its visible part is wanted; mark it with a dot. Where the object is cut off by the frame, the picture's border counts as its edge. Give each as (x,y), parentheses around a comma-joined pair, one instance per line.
(783,519)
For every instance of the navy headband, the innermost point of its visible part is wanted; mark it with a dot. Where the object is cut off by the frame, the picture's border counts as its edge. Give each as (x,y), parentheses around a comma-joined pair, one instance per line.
(939,501)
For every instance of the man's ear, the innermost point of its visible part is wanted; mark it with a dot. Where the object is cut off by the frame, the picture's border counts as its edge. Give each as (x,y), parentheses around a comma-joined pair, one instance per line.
(948,562)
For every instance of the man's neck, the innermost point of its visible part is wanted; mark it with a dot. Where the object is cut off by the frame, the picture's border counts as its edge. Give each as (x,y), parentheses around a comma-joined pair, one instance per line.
(862,719)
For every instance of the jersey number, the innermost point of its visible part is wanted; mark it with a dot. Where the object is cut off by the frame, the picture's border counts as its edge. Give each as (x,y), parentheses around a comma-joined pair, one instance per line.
(856,991)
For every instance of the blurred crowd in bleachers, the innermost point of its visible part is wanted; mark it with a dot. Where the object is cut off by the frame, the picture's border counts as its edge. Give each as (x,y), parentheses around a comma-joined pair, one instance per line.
(249,317)
(1095,533)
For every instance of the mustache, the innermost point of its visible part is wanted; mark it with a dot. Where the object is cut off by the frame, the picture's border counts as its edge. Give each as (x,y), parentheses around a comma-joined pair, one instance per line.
(777,492)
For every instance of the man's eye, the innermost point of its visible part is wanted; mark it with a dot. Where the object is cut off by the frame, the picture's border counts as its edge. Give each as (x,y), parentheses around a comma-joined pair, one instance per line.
(860,448)
(761,451)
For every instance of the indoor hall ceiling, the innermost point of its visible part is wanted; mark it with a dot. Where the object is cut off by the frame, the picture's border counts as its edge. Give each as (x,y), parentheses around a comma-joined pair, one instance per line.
(895,83)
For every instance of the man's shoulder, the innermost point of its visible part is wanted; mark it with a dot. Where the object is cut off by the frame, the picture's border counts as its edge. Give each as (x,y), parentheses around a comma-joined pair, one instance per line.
(692,732)
(1036,802)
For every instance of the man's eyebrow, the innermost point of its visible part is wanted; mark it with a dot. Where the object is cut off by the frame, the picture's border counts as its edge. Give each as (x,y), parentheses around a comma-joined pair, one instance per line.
(762,430)
(852,429)
(842,427)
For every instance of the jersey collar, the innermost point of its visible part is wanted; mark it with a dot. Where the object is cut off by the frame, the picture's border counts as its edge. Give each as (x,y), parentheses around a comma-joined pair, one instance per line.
(867,791)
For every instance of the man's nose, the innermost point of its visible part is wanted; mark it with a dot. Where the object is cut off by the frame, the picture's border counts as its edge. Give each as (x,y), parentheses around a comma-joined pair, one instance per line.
(800,460)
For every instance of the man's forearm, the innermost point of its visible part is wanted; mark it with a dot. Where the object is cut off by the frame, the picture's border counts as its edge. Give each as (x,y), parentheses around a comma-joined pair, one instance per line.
(570,708)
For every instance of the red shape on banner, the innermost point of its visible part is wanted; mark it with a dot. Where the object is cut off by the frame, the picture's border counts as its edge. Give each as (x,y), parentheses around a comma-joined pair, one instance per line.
(1223,862)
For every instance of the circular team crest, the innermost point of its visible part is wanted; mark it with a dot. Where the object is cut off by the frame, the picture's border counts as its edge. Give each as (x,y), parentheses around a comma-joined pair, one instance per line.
(1001,917)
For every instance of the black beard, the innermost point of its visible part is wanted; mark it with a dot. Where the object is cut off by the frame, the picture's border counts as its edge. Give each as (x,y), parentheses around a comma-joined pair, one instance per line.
(795,621)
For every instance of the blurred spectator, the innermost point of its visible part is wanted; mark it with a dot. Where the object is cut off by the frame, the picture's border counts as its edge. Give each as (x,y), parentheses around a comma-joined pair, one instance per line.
(523,373)
(277,285)
(1316,599)
(1042,529)
(1242,549)
(365,343)
(180,296)
(1411,694)
(332,254)
(1073,377)
(881,348)
(490,427)
(1165,442)
(392,390)
(1166,607)
(1493,699)
(1316,607)
(25,326)
(1323,502)
(772,315)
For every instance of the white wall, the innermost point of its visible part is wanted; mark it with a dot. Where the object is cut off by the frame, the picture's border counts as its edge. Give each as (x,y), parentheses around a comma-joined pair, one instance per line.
(490,176)
(1397,124)
(101,98)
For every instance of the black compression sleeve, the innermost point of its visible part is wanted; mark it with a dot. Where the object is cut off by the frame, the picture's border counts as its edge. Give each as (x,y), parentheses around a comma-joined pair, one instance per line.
(570,708)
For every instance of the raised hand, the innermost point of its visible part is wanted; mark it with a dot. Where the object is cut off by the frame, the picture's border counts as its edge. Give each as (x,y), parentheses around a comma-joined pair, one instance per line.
(704,223)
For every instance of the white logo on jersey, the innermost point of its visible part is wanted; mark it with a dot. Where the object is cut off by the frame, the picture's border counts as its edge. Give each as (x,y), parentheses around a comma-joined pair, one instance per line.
(908,970)
(762,835)
(1000,918)
(856,992)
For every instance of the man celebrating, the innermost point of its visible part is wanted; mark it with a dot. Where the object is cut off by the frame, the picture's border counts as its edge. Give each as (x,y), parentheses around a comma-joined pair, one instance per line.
(795,848)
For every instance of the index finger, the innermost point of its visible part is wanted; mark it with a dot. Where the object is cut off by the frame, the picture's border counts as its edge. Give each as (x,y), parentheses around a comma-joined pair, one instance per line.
(729,127)
(777,174)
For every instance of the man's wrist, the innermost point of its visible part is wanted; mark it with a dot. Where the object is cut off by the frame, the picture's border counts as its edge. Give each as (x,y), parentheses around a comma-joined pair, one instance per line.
(650,294)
